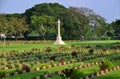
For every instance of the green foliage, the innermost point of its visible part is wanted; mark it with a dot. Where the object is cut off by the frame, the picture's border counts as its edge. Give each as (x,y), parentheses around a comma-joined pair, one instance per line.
(13,25)
(74,23)
(111,75)
(106,64)
(49,49)
(39,56)
(42,24)
(4,24)
(26,67)
(2,74)
(77,74)
(51,9)
(80,23)
(63,76)
(18,26)
(91,51)
(115,31)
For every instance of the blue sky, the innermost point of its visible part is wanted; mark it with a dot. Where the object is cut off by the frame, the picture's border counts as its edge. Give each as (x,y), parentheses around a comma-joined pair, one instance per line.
(109,9)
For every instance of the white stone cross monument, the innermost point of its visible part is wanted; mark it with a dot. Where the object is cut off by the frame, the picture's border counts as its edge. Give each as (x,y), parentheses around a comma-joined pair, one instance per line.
(59,38)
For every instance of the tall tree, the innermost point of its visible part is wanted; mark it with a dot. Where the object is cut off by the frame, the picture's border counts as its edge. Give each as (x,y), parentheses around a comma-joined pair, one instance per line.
(116,27)
(76,22)
(80,22)
(96,22)
(43,24)
(51,9)
(19,26)
(4,24)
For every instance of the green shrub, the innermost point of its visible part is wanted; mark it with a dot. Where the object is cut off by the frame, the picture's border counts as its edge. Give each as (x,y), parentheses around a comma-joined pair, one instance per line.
(73,60)
(26,67)
(91,51)
(2,74)
(39,56)
(18,70)
(106,64)
(49,49)
(63,76)
(77,74)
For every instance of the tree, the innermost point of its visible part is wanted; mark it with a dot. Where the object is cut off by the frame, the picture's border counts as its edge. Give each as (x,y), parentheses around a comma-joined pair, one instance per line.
(79,22)
(42,24)
(115,32)
(50,9)
(4,24)
(76,22)
(96,23)
(18,26)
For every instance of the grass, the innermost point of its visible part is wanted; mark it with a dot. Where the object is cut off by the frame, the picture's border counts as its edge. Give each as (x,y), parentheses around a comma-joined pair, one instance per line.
(90,70)
(86,71)
(32,74)
(112,75)
(22,47)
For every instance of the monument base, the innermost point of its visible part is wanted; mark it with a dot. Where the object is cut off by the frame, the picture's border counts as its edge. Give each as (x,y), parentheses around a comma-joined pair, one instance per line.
(59,40)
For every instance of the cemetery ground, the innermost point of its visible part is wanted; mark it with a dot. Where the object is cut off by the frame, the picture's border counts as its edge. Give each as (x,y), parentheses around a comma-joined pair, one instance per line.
(28,45)
(74,60)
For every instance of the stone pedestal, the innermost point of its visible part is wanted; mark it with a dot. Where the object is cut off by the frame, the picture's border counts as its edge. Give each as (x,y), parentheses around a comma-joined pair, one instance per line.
(59,40)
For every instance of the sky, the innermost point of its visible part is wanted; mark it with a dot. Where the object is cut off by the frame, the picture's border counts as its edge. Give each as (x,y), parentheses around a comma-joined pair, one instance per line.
(109,9)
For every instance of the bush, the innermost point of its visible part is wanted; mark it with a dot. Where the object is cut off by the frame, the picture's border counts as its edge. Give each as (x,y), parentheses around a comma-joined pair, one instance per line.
(37,77)
(63,76)
(52,58)
(18,70)
(91,51)
(39,56)
(26,67)
(73,60)
(49,49)
(67,73)
(77,74)
(74,54)
(2,74)
(106,64)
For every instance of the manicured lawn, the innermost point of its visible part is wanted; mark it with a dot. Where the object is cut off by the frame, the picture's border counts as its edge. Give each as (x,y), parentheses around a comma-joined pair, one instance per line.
(82,44)
(90,70)
(32,74)
(22,47)
(112,75)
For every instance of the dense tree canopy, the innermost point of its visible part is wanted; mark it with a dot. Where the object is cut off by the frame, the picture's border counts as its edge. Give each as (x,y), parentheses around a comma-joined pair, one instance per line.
(115,29)
(43,24)
(80,23)
(51,9)
(4,24)
(19,26)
